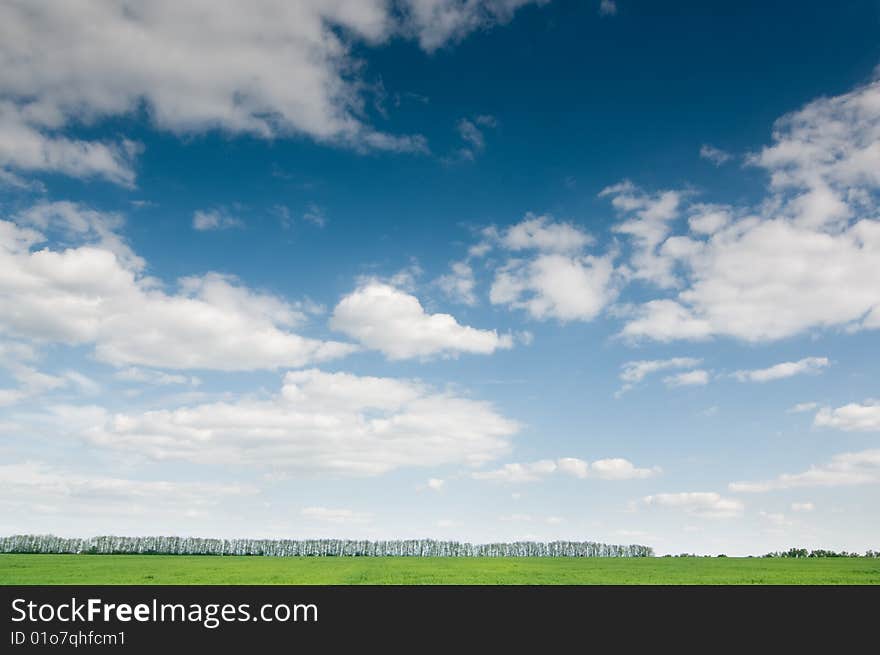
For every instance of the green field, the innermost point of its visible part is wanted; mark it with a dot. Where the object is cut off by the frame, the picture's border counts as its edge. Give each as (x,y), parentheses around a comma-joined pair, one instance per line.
(184,569)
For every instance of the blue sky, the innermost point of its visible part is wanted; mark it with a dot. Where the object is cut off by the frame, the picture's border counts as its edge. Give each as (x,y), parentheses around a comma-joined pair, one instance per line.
(481,270)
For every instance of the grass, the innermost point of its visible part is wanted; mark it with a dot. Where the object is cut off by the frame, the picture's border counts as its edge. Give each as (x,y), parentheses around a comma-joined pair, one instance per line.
(184,569)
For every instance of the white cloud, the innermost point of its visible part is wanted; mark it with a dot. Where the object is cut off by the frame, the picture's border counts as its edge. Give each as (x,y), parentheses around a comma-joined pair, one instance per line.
(783,370)
(319,422)
(853,417)
(38,486)
(617,468)
(602,469)
(666,320)
(17,358)
(275,67)
(214,219)
(95,293)
(76,224)
(472,135)
(405,278)
(715,155)
(777,519)
(516,472)
(573,466)
(635,371)
(338,515)
(272,68)
(551,278)
(384,318)
(31,382)
(607,8)
(764,280)
(315,215)
(543,234)
(437,22)
(436,484)
(831,140)
(704,504)
(647,224)
(11,396)
(802,507)
(518,518)
(688,378)
(843,470)
(708,219)
(805,258)
(14,181)
(147,376)
(447,523)
(84,383)
(803,407)
(26,148)
(555,286)
(459,284)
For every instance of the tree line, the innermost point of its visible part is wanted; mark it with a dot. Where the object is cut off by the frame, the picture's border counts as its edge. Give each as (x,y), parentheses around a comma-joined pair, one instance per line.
(112,545)
(798,553)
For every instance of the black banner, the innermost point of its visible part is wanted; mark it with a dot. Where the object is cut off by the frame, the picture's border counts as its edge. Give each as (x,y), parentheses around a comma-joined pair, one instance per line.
(202,618)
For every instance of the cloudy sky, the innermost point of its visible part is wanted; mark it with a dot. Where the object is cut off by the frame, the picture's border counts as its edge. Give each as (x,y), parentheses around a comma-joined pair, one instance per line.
(470,269)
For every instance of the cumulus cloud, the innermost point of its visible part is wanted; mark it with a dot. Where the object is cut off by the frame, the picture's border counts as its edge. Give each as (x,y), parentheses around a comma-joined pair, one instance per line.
(319,423)
(28,149)
(805,258)
(603,469)
(704,504)
(273,68)
(551,276)
(853,417)
(844,469)
(95,293)
(543,234)
(555,286)
(802,507)
(783,370)
(74,224)
(384,318)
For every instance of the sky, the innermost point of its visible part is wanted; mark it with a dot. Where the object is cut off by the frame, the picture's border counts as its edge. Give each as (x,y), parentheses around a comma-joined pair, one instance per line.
(482,270)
